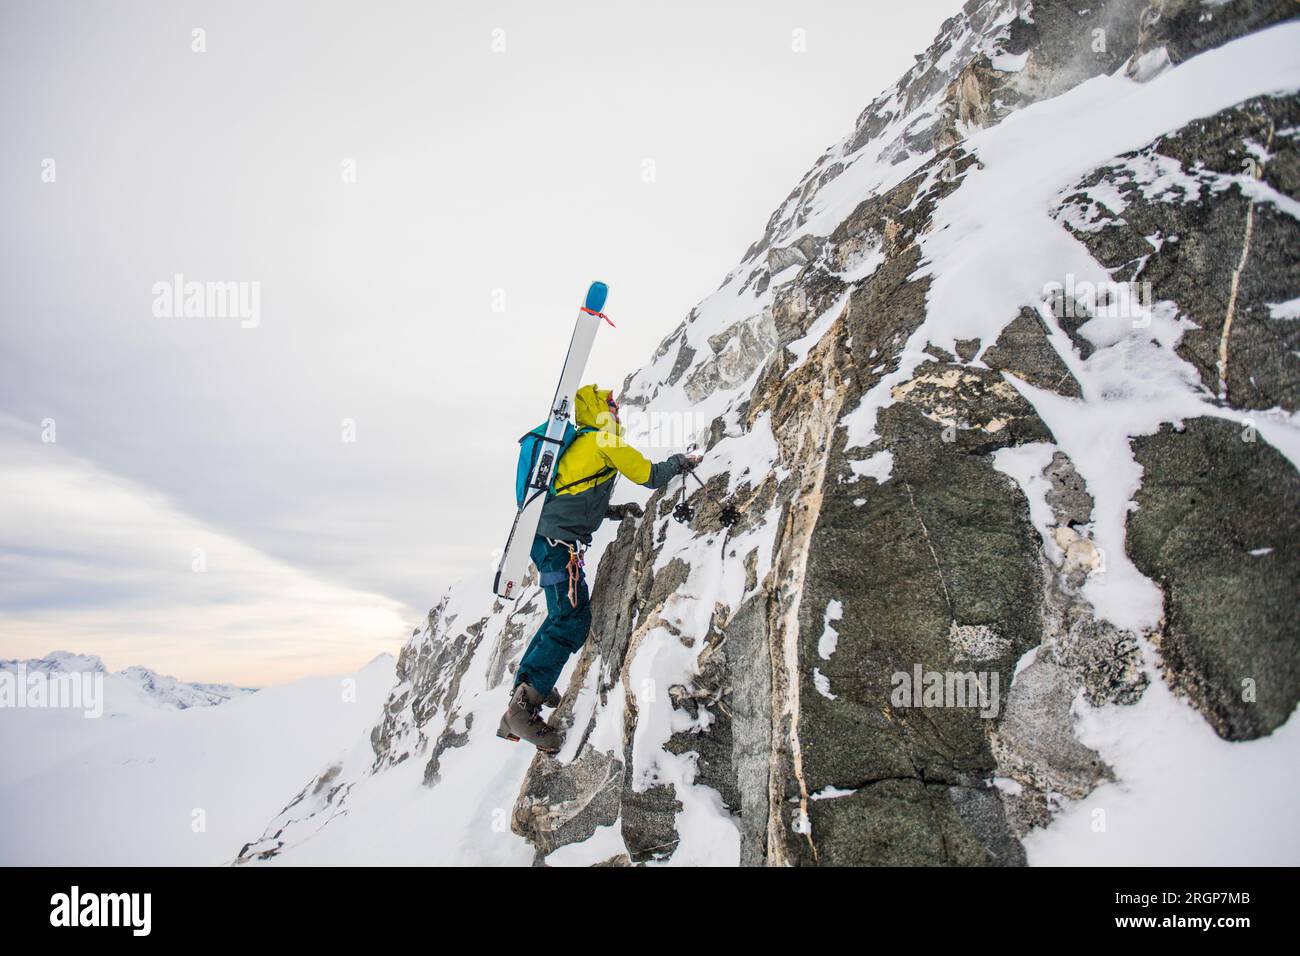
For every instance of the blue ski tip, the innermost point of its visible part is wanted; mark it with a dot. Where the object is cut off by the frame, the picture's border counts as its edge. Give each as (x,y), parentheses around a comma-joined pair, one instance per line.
(596,296)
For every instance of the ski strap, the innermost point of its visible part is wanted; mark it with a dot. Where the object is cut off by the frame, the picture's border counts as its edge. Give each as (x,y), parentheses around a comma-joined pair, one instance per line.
(601,315)
(597,478)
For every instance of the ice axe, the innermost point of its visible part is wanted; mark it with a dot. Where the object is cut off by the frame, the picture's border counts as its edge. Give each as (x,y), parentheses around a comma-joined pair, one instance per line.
(683,512)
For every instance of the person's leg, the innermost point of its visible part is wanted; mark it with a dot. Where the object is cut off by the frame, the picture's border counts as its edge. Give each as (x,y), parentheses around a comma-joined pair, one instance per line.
(547,557)
(567,634)
(572,626)
(565,628)
(550,647)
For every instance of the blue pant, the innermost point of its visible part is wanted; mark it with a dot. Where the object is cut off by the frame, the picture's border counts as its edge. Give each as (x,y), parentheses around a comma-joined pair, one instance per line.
(565,628)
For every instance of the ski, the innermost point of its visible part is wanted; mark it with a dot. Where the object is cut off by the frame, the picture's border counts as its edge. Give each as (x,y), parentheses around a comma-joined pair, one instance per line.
(514,561)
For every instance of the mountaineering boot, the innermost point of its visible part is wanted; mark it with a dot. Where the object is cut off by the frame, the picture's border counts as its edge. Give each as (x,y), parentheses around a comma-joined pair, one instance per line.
(552,699)
(522,721)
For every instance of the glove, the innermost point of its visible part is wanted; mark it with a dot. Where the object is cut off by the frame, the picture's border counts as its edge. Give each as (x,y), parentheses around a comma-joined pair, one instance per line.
(619,512)
(688,462)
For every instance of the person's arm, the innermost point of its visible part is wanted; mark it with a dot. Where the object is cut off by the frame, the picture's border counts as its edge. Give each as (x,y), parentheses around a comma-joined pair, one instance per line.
(636,467)
(629,509)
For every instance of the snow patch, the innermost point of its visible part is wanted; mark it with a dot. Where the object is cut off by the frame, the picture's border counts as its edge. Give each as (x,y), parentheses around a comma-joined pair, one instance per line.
(1025,464)
(822,683)
(604,844)
(879,467)
(829,639)
(1009,62)
(1162,751)
(1285,310)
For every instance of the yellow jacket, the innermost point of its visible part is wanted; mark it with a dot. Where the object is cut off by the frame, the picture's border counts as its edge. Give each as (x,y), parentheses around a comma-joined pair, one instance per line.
(585,477)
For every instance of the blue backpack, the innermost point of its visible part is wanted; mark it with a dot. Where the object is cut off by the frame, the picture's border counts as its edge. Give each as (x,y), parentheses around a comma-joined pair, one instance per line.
(530,447)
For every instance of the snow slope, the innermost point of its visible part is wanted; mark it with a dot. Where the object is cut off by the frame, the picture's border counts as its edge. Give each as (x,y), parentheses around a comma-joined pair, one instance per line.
(150,784)
(131,693)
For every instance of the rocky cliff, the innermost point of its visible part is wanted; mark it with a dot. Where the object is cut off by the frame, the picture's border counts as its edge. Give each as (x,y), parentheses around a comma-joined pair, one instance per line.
(1004,398)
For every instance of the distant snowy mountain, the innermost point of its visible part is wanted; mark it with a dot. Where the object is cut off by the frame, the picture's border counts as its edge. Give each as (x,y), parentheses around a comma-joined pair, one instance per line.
(158,689)
(170,692)
(163,776)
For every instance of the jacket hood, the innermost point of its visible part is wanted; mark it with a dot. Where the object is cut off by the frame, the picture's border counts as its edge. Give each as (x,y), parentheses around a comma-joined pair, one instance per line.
(591,408)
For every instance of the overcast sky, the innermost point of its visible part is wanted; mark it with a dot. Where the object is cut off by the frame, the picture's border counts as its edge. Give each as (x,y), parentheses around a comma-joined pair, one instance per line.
(421,193)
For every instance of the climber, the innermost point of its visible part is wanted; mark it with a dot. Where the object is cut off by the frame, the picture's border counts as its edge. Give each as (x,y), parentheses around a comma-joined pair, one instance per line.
(579,502)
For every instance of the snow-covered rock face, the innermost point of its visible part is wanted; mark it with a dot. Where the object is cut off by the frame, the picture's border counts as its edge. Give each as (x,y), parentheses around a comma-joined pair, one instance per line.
(993,504)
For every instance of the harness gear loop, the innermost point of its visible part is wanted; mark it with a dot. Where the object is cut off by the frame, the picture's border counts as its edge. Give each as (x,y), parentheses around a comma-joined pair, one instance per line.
(574,568)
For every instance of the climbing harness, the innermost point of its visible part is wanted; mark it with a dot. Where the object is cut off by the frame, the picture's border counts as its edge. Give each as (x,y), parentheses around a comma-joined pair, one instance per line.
(576,553)
(572,570)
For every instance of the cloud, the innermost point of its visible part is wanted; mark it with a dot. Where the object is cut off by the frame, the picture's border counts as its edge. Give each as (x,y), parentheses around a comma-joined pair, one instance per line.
(96,563)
